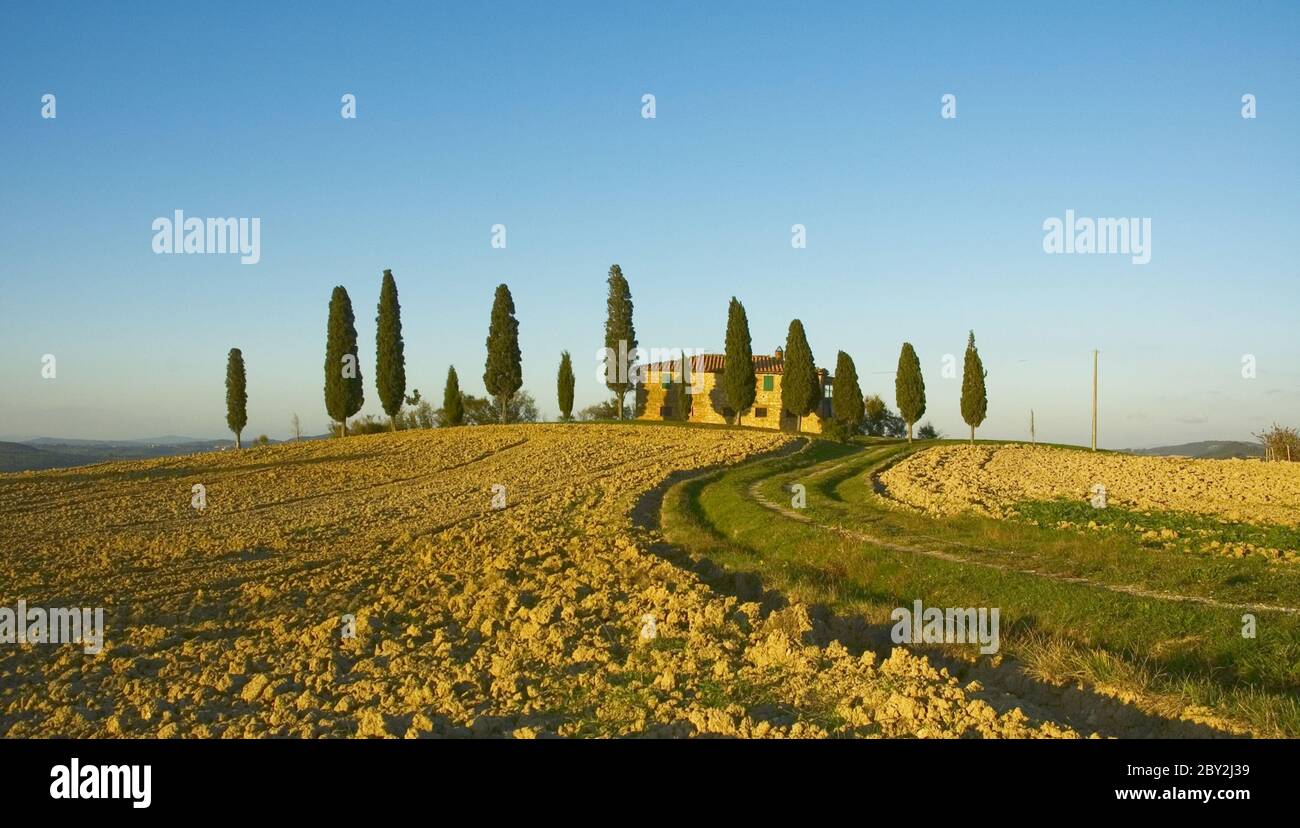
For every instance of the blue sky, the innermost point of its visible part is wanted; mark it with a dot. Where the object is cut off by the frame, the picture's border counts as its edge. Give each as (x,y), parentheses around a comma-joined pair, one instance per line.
(768,115)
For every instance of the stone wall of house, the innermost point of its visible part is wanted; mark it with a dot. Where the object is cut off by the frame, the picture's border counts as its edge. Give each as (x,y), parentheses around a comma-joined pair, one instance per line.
(709,404)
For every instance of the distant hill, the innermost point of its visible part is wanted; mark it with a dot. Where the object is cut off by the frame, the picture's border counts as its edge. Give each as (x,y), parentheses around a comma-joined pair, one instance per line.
(170,440)
(64,452)
(60,453)
(1206,450)
(21,457)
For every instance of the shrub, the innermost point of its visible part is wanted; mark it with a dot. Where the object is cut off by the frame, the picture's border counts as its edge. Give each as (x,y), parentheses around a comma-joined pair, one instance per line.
(520,408)
(879,421)
(837,430)
(369,424)
(1281,443)
(607,410)
(420,415)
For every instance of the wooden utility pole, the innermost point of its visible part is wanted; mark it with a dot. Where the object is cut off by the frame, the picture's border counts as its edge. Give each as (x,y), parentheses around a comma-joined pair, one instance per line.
(1033,441)
(1094,400)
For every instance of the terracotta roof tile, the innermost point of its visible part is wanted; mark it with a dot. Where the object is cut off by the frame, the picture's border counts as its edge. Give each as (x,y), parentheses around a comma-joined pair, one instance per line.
(713,364)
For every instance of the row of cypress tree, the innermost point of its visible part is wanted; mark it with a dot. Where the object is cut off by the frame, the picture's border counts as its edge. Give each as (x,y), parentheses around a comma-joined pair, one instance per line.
(909,388)
(344,392)
(503,370)
(502,374)
(801,390)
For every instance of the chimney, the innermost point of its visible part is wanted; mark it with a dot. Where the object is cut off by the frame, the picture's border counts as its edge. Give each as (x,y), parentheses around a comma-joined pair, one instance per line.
(778,353)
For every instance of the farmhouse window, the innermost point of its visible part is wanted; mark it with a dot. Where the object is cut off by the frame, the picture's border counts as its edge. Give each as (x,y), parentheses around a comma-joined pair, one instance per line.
(760,412)
(769,382)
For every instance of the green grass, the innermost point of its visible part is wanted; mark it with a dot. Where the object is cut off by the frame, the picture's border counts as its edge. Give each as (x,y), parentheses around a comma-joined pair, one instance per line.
(1174,654)
(1195,532)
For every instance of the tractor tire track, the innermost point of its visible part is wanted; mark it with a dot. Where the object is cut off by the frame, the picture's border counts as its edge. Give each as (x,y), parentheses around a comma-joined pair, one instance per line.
(884,543)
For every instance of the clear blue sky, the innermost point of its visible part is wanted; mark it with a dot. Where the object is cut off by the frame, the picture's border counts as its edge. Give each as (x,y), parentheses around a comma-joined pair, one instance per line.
(827,115)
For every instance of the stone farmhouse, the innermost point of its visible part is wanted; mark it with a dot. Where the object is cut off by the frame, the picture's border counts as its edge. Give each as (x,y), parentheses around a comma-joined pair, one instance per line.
(708,404)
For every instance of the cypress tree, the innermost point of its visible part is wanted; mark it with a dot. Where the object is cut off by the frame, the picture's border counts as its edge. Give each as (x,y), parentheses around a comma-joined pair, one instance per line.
(800,391)
(503,372)
(738,378)
(909,387)
(846,396)
(236,394)
(453,405)
(564,386)
(620,336)
(390,356)
(343,391)
(974,398)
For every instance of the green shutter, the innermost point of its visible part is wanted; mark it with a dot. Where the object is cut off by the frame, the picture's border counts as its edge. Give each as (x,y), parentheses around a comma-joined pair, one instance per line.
(769,382)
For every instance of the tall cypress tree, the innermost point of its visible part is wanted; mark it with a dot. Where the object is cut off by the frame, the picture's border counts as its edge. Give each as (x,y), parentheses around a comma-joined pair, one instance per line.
(738,378)
(800,391)
(846,396)
(974,397)
(343,391)
(909,387)
(390,356)
(453,405)
(236,394)
(620,336)
(564,386)
(503,372)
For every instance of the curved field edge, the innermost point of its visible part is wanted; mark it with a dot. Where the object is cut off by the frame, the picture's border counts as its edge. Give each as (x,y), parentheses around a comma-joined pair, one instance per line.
(994,479)
(549,615)
(1237,509)
(1168,662)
